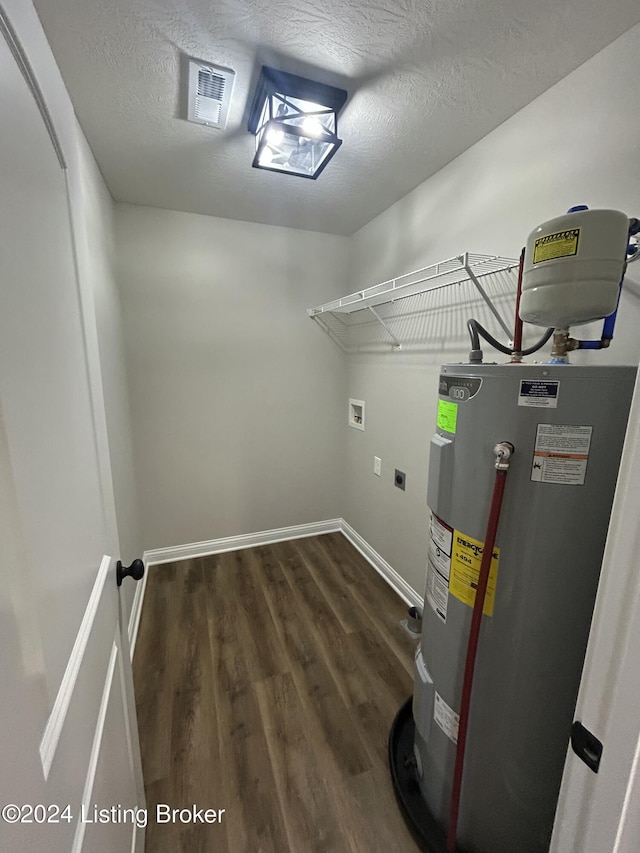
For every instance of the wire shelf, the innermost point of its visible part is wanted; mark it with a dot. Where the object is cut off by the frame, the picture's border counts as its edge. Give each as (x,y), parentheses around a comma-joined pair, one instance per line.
(425,309)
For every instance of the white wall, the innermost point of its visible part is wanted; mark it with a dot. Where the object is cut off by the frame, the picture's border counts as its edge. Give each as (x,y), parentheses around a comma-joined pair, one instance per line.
(237,396)
(577,143)
(98,219)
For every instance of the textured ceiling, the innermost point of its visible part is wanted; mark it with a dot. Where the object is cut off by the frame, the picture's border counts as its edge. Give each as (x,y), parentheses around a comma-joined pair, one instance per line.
(426,79)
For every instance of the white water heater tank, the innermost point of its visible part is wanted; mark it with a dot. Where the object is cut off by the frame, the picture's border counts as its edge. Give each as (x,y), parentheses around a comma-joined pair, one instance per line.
(572,268)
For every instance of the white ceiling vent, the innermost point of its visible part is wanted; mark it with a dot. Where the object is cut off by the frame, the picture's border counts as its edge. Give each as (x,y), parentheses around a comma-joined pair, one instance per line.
(210,90)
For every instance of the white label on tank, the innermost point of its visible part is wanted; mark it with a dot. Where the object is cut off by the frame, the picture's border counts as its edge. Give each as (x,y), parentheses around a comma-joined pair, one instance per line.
(446,718)
(439,566)
(441,534)
(539,394)
(561,454)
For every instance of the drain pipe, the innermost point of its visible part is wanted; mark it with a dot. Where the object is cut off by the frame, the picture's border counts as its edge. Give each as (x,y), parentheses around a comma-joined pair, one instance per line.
(503,452)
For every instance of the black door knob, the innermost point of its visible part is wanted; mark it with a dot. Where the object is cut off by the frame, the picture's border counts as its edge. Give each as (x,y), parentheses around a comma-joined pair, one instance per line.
(135,571)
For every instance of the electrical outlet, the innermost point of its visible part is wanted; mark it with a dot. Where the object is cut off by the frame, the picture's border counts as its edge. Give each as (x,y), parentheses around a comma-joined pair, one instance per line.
(400,479)
(377,466)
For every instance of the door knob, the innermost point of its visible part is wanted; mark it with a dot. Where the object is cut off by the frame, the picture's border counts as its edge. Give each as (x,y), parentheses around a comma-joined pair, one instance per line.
(135,571)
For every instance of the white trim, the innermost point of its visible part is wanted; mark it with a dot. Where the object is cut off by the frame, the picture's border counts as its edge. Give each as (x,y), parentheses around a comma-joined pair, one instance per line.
(598,812)
(236,543)
(628,825)
(24,65)
(133,744)
(136,610)
(251,540)
(134,838)
(396,582)
(55,723)
(90,779)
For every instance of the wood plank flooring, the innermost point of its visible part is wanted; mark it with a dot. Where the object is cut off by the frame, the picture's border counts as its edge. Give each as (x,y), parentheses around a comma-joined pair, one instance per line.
(266,683)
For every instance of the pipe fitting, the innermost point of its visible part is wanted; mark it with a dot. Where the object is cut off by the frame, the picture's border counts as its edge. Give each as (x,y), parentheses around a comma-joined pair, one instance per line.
(503,451)
(562,344)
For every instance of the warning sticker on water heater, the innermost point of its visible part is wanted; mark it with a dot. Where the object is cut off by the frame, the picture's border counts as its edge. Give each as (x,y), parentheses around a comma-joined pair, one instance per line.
(446,717)
(561,454)
(439,566)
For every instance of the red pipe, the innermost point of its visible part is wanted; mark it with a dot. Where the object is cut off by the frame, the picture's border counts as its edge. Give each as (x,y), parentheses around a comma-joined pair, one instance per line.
(517,329)
(472,650)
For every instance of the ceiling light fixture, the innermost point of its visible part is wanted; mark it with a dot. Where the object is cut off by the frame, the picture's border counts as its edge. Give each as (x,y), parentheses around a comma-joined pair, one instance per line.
(295,122)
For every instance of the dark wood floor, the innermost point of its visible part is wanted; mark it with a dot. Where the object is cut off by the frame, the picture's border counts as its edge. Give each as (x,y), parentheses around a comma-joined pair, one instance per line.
(266,681)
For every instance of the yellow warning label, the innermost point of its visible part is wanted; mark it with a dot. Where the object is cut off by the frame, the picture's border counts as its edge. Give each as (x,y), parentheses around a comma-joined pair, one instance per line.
(447,415)
(466,556)
(562,244)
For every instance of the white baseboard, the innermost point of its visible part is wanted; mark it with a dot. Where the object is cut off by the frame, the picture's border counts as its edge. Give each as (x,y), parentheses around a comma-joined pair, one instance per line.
(236,543)
(136,610)
(396,582)
(158,556)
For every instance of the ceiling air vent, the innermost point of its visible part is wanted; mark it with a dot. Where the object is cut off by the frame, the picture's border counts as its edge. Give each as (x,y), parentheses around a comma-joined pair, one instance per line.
(210,90)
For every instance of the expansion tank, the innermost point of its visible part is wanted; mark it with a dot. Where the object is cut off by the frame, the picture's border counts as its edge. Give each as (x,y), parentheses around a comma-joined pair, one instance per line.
(567,424)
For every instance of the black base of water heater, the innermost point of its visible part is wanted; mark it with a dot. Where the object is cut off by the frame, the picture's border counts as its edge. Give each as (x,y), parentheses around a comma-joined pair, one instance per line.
(426,830)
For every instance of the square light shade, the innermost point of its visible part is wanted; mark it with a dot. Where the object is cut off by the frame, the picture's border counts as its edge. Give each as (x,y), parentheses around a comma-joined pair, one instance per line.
(295,122)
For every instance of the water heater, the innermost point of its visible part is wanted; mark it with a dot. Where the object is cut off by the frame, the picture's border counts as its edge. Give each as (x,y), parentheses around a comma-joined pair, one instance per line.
(567,425)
